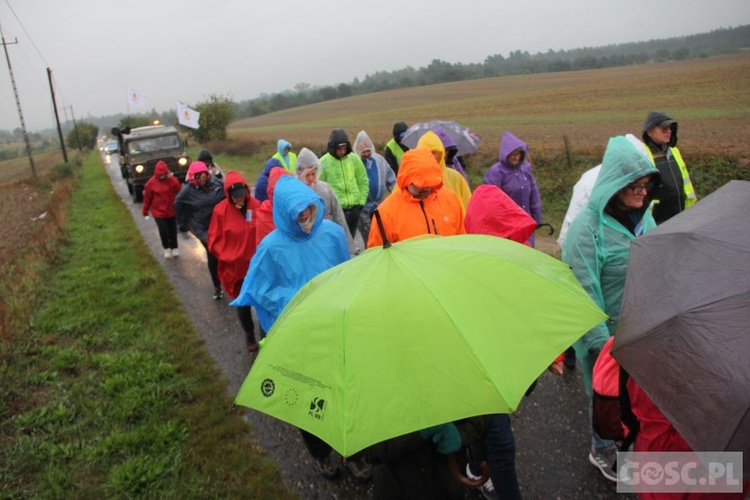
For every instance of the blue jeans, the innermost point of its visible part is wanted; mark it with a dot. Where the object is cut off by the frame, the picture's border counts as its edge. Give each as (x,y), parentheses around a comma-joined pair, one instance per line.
(499,449)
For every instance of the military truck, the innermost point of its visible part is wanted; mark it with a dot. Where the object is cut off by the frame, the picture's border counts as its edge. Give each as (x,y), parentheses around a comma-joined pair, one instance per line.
(141,148)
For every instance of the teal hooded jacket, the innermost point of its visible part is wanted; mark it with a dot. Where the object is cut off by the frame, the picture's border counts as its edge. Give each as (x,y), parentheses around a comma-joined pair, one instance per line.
(597,246)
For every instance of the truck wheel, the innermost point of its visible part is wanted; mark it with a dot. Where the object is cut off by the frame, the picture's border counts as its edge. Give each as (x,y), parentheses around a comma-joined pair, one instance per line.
(137,194)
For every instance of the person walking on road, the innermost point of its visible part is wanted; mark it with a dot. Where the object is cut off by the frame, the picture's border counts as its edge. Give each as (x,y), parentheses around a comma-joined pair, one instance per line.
(380,176)
(512,173)
(676,192)
(452,179)
(158,198)
(194,207)
(597,248)
(231,238)
(394,148)
(346,175)
(285,156)
(303,245)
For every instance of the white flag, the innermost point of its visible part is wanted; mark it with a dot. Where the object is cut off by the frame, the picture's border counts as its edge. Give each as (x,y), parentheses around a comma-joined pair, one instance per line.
(187,116)
(136,98)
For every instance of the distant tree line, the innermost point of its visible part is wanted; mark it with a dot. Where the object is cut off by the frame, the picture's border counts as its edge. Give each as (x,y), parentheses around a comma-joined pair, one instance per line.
(721,41)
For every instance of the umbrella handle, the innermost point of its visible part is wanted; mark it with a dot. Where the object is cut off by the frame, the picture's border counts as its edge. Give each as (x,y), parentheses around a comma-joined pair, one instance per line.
(551,229)
(471,483)
(381,228)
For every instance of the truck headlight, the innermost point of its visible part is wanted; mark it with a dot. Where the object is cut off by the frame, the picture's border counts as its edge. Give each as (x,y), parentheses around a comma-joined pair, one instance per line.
(182,161)
(139,169)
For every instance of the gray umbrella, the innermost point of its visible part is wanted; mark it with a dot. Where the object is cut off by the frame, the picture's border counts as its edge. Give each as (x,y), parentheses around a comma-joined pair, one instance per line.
(684,327)
(467,141)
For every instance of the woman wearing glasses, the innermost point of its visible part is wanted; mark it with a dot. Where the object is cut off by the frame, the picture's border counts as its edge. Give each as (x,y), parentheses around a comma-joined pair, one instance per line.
(597,248)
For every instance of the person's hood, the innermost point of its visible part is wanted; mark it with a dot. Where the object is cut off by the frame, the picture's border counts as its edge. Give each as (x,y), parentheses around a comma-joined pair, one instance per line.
(273,177)
(233,179)
(306,159)
(493,212)
(363,143)
(338,136)
(205,156)
(281,145)
(195,168)
(510,143)
(419,167)
(626,160)
(655,118)
(291,197)
(398,128)
(431,141)
(445,137)
(160,169)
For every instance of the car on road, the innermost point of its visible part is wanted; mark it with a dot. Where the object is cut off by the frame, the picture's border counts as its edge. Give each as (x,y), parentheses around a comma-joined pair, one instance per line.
(110,147)
(141,148)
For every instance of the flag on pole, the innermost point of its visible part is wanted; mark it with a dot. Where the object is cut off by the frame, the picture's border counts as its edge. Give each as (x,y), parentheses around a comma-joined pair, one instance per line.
(136,98)
(187,116)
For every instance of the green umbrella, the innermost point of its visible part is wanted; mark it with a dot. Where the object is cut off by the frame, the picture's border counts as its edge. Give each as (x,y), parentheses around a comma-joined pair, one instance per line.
(429,330)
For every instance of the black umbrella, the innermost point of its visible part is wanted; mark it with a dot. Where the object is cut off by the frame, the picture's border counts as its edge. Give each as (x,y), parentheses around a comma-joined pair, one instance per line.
(684,327)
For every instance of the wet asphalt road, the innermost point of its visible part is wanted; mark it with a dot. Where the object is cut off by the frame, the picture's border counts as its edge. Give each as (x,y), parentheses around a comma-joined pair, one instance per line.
(551,433)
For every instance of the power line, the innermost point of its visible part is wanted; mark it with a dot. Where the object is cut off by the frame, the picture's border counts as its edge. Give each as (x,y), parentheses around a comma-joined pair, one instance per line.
(27,33)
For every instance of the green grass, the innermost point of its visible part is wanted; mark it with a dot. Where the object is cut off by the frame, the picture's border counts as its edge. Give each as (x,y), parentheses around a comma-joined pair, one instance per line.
(110,391)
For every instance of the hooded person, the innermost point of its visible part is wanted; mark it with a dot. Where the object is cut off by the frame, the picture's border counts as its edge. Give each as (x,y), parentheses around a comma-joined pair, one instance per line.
(194,207)
(451,178)
(676,192)
(394,148)
(158,198)
(261,186)
(513,174)
(493,212)
(264,215)
(206,157)
(231,238)
(303,245)
(380,176)
(346,175)
(451,151)
(421,205)
(597,248)
(308,167)
(285,156)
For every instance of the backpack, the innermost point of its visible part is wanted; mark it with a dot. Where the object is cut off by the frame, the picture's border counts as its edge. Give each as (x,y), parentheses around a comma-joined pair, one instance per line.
(612,417)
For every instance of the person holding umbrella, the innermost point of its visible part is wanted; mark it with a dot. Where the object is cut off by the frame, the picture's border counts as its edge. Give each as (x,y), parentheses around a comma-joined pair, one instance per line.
(421,205)
(597,248)
(303,245)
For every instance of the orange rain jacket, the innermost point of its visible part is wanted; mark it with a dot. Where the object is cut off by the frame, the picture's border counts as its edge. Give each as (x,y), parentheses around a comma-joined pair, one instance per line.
(405,216)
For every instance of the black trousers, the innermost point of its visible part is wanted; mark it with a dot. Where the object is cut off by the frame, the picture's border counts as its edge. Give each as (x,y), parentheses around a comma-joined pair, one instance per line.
(352,218)
(213,266)
(167,231)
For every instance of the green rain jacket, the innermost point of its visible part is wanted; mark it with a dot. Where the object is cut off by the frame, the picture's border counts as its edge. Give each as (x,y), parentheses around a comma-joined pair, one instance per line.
(597,247)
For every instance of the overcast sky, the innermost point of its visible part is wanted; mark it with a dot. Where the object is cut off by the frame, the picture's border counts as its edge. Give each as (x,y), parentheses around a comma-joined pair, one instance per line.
(185,50)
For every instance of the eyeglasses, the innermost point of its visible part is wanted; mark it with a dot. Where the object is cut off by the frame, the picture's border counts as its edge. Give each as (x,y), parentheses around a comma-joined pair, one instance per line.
(641,188)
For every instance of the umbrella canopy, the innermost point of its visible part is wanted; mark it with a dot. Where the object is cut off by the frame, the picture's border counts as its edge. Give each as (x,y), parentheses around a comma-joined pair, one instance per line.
(684,326)
(430,330)
(466,140)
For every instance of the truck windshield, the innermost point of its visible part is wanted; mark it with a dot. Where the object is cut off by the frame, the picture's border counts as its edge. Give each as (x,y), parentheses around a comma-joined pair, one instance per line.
(153,144)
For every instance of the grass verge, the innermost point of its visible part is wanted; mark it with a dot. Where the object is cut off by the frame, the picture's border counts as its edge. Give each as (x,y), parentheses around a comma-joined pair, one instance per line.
(108,390)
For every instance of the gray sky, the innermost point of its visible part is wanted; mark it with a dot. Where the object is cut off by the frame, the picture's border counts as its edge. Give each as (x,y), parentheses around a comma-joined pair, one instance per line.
(185,50)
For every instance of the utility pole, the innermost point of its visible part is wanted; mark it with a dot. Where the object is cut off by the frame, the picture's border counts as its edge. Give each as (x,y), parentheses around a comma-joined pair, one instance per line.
(18,102)
(57,117)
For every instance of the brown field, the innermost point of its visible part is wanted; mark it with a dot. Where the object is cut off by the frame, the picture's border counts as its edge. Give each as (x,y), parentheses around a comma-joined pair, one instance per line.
(709,97)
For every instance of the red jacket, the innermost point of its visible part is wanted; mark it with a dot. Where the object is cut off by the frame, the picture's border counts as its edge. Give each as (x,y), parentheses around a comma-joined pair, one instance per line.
(231,236)
(159,194)
(493,212)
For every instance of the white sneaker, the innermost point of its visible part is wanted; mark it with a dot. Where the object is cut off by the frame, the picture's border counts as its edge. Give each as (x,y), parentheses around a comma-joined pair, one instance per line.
(167,253)
(487,489)
(175,252)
